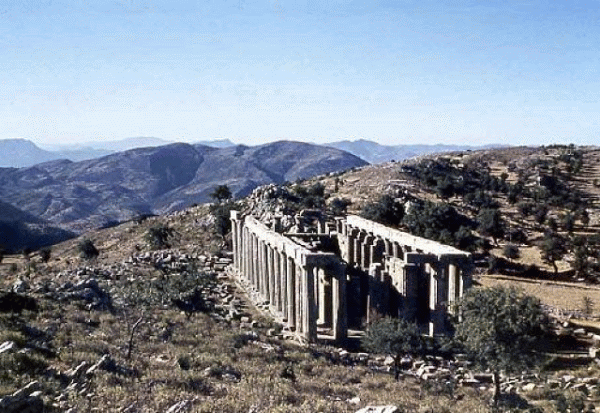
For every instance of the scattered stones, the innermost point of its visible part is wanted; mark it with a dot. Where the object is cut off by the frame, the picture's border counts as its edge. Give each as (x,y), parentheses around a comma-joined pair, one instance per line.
(20,286)
(7,346)
(25,400)
(379,409)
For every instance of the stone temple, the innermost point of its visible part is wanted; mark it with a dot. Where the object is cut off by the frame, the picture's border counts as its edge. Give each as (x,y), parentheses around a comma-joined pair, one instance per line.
(323,284)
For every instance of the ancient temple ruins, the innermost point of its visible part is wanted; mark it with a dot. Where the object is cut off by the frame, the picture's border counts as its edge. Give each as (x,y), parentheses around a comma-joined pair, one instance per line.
(326,282)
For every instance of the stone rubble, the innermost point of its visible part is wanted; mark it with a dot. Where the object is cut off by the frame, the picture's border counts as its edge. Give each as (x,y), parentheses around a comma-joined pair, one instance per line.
(25,400)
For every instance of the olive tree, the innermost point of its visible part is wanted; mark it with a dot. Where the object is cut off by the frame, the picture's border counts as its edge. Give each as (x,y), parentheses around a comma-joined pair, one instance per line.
(395,337)
(501,330)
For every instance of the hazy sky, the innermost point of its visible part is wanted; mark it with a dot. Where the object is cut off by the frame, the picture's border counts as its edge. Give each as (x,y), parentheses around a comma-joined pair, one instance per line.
(514,72)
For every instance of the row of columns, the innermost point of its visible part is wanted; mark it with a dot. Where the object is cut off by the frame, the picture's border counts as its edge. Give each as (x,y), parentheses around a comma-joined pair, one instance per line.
(300,287)
(400,263)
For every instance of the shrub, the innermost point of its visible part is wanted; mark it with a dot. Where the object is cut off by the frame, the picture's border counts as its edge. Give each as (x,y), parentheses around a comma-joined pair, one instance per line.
(158,236)
(45,254)
(395,337)
(502,330)
(386,211)
(88,250)
(511,251)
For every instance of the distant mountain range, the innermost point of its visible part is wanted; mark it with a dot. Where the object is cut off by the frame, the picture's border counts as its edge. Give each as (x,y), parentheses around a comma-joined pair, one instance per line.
(78,196)
(19,153)
(375,153)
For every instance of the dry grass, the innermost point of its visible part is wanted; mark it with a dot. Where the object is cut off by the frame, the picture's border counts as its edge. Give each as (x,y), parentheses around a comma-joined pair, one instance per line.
(562,295)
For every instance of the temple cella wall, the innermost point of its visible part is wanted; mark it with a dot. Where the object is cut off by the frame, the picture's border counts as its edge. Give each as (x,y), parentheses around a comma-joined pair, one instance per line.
(374,270)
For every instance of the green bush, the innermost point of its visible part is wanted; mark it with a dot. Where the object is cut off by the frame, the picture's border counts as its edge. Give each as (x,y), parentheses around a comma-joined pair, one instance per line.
(88,250)
(386,210)
(158,236)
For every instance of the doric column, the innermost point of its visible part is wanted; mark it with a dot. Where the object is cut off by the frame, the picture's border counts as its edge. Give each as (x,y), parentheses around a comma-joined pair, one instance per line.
(339,303)
(397,250)
(358,241)
(277,279)
(438,289)
(291,293)
(260,268)
(365,252)
(324,297)
(309,321)
(234,238)
(283,284)
(376,251)
(271,274)
(410,290)
(300,296)
(453,287)
(375,293)
(351,241)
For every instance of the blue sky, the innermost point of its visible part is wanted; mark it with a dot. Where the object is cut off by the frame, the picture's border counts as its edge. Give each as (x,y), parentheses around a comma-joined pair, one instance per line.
(513,72)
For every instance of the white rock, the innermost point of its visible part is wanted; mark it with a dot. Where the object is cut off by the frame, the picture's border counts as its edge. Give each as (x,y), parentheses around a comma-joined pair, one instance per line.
(379,409)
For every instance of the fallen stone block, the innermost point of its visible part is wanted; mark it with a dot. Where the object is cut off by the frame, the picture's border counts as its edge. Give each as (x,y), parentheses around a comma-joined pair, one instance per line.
(379,409)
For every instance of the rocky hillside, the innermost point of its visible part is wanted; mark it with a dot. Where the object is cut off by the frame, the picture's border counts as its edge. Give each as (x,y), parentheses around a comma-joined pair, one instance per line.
(523,211)
(81,195)
(154,323)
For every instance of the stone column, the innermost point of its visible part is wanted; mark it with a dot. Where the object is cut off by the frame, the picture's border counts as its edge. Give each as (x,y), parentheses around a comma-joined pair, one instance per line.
(453,286)
(358,241)
(309,322)
(283,284)
(339,303)
(351,242)
(410,290)
(397,250)
(375,293)
(277,279)
(389,248)
(438,288)
(377,250)
(256,255)
(365,252)
(291,293)
(300,297)
(324,298)
(263,274)
(271,274)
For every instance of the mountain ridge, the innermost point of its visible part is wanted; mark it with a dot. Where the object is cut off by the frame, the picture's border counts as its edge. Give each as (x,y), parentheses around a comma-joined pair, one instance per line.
(375,153)
(79,196)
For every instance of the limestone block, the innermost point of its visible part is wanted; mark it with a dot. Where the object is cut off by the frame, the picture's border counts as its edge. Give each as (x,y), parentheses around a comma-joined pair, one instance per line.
(379,409)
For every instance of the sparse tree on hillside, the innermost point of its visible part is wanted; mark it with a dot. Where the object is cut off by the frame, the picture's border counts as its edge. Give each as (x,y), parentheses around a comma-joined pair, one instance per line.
(395,337)
(386,211)
(45,254)
(491,223)
(511,251)
(553,249)
(221,193)
(158,236)
(87,249)
(501,330)
(338,206)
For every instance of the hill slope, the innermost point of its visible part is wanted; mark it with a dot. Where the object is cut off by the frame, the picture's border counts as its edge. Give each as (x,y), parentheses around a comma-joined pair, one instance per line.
(374,153)
(87,194)
(20,230)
